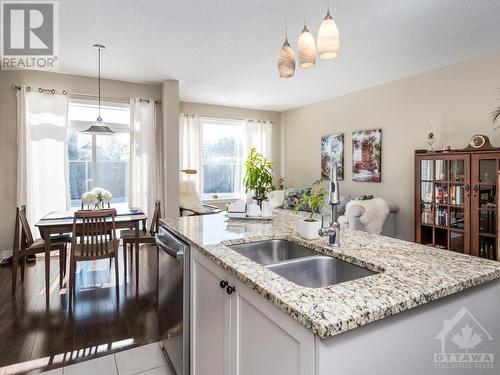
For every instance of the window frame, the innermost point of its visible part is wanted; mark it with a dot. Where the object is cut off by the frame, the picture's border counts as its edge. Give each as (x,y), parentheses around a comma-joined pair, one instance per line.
(220,121)
(80,125)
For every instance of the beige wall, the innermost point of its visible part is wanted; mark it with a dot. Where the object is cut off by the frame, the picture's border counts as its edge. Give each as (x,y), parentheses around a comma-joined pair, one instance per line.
(8,151)
(243,113)
(459,99)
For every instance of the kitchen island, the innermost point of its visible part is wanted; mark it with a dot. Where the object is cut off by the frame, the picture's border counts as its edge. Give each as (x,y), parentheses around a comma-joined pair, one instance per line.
(403,318)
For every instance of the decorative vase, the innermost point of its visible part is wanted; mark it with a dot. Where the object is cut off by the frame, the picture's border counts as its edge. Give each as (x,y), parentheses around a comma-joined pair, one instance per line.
(309,229)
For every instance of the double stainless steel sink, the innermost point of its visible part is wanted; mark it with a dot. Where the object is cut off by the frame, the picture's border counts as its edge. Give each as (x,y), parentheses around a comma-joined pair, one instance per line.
(299,264)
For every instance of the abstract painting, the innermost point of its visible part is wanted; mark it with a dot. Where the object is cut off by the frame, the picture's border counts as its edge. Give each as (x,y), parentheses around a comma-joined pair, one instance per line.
(367,155)
(332,150)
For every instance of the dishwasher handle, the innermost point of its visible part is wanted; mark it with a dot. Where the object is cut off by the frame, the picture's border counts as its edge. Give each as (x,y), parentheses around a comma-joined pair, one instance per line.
(170,244)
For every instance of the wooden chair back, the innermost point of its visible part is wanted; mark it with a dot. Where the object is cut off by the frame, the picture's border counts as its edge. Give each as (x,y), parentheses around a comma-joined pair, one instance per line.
(155,220)
(26,234)
(97,236)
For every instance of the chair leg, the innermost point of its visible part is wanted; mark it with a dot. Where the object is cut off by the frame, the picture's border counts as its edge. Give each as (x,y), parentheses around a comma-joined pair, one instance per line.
(15,263)
(72,280)
(117,277)
(131,253)
(23,268)
(61,268)
(125,260)
(65,261)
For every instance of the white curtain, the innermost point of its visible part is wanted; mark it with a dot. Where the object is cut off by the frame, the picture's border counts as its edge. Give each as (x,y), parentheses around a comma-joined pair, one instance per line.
(144,167)
(259,135)
(42,154)
(190,149)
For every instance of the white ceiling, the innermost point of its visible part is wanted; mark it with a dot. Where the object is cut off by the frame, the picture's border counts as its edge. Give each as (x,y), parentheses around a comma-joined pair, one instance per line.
(224,51)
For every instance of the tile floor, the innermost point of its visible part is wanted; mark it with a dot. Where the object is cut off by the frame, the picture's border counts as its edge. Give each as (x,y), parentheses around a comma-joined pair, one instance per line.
(143,360)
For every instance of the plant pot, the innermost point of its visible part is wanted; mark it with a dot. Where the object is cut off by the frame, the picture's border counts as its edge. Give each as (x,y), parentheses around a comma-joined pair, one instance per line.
(309,229)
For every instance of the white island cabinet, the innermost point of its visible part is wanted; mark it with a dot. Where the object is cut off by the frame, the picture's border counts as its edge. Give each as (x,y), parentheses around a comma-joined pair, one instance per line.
(424,311)
(242,333)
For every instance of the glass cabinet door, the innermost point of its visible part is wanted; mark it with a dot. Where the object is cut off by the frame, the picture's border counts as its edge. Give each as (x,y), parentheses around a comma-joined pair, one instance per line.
(444,190)
(484,205)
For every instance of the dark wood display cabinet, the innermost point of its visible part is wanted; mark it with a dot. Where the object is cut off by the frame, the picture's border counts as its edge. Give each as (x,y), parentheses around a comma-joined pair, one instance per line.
(456,201)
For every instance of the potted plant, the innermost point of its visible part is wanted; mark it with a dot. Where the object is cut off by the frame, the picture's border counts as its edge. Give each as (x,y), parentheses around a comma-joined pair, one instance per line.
(258,175)
(313,201)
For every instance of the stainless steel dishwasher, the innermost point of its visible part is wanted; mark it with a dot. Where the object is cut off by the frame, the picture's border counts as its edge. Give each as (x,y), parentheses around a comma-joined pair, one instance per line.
(173,299)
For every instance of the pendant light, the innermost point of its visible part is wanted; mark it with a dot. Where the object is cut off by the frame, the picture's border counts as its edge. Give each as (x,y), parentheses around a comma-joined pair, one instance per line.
(286,59)
(99,127)
(306,54)
(328,37)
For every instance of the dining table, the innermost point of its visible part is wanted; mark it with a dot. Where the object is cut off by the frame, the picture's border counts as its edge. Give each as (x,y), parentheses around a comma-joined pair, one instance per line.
(61,222)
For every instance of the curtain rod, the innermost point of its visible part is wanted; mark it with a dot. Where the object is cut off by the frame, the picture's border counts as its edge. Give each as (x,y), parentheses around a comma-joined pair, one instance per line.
(228,118)
(64,92)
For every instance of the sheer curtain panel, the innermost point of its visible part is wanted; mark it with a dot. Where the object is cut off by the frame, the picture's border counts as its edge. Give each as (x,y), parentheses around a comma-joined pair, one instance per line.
(42,153)
(144,170)
(190,134)
(259,135)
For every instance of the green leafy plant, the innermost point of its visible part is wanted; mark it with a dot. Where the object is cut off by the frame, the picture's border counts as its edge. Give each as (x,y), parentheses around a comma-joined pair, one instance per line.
(258,174)
(313,200)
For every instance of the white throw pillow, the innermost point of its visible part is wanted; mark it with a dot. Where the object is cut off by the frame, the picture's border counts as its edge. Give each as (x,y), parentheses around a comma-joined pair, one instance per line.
(189,198)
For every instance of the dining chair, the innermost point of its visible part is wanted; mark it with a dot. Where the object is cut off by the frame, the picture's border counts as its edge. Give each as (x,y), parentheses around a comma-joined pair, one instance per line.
(145,237)
(25,245)
(94,238)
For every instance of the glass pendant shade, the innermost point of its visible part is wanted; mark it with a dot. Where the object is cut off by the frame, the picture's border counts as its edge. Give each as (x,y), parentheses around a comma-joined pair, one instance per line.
(286,61)
(328,38)
(306,50)
(98,128)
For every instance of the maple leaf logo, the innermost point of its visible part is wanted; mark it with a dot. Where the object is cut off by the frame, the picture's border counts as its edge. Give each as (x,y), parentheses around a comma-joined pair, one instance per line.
(466,339)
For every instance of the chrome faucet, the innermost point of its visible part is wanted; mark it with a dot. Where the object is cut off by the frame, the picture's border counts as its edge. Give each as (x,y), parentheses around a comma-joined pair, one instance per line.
(333,230)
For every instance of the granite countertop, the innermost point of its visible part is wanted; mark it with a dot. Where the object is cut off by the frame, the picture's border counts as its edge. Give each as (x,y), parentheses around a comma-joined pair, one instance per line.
(410,274)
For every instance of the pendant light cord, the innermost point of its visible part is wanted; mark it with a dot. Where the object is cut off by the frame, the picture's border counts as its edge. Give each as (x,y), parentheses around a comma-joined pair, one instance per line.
(305,12)
(99,78)
(286,19)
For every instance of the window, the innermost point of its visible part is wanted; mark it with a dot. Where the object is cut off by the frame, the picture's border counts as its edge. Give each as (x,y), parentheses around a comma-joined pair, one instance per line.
(223,148)
(98,160)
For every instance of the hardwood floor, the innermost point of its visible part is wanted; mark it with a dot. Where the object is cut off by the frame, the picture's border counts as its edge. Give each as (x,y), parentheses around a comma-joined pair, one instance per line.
(35,337)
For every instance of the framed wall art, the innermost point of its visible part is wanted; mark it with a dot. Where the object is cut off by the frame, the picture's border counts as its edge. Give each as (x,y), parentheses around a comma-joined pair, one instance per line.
(332,150)
(367,155)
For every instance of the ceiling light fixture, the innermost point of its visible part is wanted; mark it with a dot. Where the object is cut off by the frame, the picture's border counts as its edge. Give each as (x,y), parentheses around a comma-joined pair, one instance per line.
(328,37)
(286,59)
(306,45)
(99,127)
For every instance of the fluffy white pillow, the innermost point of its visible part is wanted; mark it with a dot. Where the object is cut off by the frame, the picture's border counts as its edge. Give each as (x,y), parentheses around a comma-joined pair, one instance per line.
(189,198)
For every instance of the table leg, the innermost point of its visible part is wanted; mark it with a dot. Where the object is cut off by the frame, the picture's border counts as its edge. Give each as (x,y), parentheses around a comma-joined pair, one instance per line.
(136,243)
(46,237)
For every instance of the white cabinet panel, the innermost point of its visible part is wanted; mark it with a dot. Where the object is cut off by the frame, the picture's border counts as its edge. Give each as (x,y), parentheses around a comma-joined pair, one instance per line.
(267,340)
(210,317)
(242,333)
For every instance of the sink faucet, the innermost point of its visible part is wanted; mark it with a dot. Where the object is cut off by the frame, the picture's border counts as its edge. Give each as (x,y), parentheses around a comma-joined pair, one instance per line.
(333,230)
